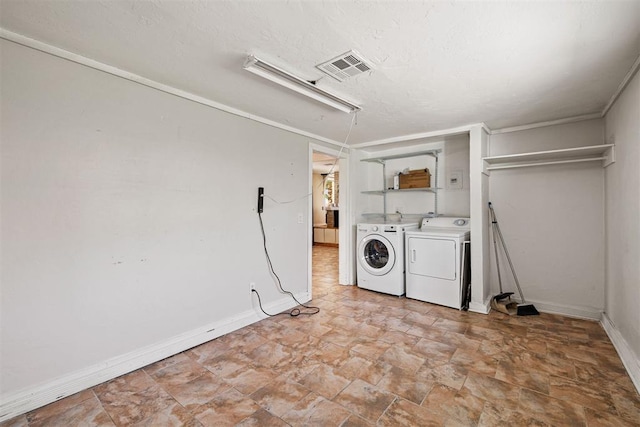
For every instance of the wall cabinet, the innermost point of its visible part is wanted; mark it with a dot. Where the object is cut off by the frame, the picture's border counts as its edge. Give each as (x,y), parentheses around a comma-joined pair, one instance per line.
(384,191)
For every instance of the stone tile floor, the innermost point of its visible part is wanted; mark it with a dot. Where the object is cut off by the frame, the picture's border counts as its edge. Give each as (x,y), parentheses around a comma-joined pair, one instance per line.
(371,359)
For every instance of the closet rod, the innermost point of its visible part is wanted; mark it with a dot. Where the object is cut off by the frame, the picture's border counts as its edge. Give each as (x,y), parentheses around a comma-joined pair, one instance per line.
(556,162)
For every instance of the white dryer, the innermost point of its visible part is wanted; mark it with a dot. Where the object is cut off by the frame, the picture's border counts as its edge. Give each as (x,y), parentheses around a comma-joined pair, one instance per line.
(434,260)
(381,256)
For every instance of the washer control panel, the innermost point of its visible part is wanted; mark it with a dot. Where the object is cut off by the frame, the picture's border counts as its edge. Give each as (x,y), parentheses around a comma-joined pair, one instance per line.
(386,228)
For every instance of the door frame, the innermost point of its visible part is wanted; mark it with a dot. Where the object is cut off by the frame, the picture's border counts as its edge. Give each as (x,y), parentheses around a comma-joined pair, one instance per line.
(345,242)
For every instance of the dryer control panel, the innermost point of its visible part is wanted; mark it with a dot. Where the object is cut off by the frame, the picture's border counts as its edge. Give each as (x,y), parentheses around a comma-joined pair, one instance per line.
(445,222)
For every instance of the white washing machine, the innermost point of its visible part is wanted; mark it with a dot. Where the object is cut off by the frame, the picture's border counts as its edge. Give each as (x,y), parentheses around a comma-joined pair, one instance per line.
(381,256)
(434,260)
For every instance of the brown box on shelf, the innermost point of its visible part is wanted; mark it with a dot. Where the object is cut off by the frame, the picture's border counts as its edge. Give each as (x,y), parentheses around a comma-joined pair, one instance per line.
(419,178)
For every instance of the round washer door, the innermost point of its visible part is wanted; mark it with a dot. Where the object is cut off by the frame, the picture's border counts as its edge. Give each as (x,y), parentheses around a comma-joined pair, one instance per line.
(376,255)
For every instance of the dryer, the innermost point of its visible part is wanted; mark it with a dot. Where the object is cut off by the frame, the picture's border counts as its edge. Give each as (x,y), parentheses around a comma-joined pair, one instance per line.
(380,256)
(434,260)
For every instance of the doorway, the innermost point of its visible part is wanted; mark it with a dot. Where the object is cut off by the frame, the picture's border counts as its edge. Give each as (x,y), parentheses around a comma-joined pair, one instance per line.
(328,218)
(325,203)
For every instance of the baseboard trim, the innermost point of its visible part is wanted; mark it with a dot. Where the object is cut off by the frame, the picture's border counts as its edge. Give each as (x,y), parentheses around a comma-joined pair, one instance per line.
(589,313)
(482,308)
(630,360)
(578,312)
(14,404)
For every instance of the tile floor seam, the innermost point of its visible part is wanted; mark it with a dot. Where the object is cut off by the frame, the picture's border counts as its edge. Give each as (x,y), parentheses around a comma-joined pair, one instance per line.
(102,406)
(386,409)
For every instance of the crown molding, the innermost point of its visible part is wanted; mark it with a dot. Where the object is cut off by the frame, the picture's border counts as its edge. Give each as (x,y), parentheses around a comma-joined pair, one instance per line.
(136,78)
(547,123)
(622,86)
(422,135)
(82,60)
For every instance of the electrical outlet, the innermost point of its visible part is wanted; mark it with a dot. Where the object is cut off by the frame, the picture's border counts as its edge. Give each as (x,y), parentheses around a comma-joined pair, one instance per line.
(252,286)
(300,218)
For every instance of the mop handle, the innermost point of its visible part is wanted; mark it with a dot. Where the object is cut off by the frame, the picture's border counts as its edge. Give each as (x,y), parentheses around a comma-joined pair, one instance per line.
(495,244)
(506,252)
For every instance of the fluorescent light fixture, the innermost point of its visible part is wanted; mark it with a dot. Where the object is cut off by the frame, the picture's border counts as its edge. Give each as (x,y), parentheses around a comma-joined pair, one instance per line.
(288,80)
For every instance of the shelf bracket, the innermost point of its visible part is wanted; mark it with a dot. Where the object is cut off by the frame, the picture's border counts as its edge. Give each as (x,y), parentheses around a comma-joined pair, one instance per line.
(609,156)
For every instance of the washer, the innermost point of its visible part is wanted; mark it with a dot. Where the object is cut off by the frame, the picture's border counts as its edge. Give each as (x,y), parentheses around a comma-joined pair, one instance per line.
(434,260)
(381,256)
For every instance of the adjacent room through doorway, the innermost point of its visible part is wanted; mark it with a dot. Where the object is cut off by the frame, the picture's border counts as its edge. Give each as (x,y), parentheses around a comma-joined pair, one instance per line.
(325,207)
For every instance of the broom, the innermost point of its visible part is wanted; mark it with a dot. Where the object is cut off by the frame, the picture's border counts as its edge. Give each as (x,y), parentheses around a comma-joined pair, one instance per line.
(523,309)
(501,302)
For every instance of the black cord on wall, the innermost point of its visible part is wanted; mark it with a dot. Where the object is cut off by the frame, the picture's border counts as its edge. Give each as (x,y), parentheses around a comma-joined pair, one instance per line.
(294,311)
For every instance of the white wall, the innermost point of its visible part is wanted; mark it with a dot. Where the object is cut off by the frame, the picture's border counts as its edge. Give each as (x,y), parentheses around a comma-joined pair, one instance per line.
(454,201)
(128,216)
(552,218)
(622,125)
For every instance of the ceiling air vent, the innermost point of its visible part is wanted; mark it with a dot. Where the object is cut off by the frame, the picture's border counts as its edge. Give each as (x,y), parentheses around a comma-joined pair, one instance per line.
(347,65)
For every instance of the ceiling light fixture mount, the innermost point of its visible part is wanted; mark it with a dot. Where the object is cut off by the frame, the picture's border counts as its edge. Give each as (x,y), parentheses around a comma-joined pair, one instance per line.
(290,81)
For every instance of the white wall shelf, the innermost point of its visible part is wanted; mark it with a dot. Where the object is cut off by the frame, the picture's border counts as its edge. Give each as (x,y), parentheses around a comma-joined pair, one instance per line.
(402,190)
(384,191)
(382,159)
(604,153)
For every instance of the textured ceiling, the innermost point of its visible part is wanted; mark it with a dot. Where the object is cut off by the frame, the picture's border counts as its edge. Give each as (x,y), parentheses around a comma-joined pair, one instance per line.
(437,65)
